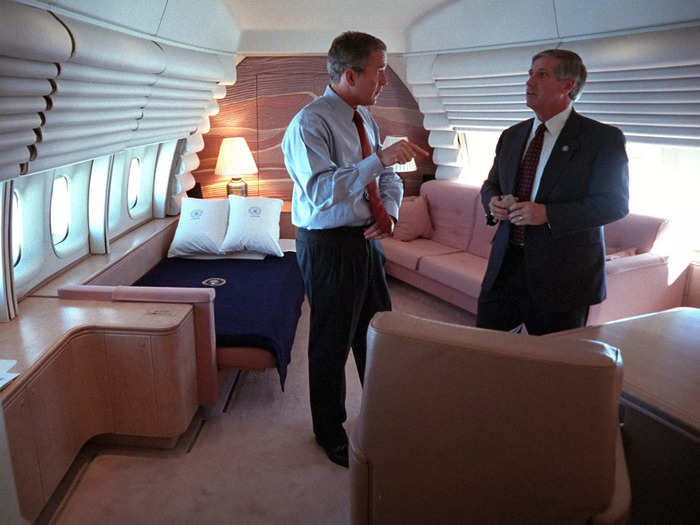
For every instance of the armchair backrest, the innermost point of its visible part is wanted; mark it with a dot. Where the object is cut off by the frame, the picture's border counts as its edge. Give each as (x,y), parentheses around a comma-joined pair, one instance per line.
(463,425)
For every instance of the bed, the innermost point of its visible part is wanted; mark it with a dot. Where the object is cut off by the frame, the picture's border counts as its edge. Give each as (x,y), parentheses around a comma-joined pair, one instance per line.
(256,307)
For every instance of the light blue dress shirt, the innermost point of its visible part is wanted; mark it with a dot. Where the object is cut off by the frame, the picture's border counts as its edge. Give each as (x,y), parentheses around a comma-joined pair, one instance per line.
(323,156)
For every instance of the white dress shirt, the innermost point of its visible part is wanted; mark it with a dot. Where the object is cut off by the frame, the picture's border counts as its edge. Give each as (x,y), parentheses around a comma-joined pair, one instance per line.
(554,126)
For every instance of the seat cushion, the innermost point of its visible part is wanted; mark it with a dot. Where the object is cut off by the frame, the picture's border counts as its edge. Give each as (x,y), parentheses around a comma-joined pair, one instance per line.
(460,270)
(408,254)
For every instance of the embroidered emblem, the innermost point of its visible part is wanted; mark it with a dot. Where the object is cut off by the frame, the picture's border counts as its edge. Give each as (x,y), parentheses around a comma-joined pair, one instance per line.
(565,148)
(255,211)
(196,214)
(214,281)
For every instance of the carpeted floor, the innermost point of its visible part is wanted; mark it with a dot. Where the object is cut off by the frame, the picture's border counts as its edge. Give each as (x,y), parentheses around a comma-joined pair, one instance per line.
(256,463)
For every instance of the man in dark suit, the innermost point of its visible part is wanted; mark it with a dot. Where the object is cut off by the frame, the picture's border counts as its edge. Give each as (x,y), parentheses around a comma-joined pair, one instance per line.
(550,191)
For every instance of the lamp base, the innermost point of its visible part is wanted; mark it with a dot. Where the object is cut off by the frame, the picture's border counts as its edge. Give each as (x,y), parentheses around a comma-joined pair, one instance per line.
(237,187)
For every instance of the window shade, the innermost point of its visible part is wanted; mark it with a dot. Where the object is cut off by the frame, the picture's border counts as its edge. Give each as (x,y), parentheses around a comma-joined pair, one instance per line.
(83,90)
(647,84)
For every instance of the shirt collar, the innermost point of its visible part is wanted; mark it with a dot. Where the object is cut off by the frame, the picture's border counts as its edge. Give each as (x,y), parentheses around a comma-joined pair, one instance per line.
(338,104)
(555,124)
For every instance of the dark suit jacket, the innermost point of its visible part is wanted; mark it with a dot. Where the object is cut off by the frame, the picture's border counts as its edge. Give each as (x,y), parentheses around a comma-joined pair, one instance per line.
(584,186)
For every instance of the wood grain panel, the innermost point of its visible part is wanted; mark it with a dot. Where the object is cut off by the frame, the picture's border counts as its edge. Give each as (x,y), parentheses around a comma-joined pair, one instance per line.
(132,392)
(267,95)
(20,436)
(175,379)
(92,410)
(50,399)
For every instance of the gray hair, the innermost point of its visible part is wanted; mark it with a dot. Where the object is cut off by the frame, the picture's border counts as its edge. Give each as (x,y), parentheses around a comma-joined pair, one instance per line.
(570,66)
(351,50)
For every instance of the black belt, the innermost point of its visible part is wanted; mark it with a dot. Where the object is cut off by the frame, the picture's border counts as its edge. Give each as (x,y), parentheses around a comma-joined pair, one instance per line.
(332,233)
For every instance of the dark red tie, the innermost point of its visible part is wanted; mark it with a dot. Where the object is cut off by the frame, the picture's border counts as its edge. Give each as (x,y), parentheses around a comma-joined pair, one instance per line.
(381,217)
(526,176)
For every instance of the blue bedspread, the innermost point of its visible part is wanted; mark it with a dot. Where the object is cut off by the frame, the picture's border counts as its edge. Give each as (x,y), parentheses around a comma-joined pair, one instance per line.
(258,305)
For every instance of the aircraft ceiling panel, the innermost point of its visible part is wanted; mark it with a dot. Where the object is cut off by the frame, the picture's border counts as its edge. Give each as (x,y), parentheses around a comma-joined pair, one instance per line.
(133,14)
(577,18)
(206,23)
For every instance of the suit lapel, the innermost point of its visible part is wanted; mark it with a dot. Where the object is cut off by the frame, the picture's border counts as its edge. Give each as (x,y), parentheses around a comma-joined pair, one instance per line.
(520,135)
(566,146)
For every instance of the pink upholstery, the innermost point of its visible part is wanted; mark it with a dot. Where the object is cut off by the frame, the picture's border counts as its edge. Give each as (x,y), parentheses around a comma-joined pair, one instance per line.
(460,270)
(639,231)
(89,292)
(202,300)
(409,253)
(414,219)
(451,209)
(480,244)
(647,274)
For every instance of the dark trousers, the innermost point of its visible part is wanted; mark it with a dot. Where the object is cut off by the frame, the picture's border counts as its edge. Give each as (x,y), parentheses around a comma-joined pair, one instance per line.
(508,304)
(346,285)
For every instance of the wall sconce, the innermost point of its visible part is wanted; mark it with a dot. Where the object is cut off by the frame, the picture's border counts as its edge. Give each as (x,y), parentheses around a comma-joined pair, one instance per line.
(399,168)
(235,160)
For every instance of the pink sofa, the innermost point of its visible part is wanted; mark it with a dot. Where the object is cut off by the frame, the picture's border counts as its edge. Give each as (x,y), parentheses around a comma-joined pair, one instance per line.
(642,276)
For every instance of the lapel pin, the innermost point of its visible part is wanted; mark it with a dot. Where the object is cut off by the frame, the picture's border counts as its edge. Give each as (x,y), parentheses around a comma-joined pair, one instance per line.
(565,148)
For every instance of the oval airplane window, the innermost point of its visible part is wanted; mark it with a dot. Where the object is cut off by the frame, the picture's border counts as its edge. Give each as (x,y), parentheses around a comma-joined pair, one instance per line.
(134,182)
(60,210)
(16,214)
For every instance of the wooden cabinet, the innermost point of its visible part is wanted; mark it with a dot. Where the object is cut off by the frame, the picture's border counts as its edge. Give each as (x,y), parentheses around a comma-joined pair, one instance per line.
(96,382)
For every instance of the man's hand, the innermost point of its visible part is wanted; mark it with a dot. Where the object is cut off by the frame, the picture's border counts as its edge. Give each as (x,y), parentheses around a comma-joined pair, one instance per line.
(499,206)
(374,232)
(528,213)
(400,153)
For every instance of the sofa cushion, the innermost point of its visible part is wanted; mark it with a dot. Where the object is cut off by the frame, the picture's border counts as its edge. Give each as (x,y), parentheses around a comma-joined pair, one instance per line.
(409,253)
(460,270)
(452,211)
(414,219)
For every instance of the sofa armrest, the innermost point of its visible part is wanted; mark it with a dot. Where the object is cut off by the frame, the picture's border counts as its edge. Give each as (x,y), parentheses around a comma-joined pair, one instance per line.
(640,284)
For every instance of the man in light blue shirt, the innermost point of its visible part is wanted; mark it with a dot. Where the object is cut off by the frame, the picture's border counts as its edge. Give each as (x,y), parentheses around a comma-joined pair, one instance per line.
(332,152)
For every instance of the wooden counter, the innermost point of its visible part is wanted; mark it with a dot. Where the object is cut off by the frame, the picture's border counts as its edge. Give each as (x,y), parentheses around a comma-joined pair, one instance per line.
(89,368)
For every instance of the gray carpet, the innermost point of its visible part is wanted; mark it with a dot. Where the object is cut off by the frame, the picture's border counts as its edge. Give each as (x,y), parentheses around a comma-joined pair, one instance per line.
(257,463)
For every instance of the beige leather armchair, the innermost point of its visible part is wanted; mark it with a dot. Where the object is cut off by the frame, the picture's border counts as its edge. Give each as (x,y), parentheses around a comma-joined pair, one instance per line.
(461,425)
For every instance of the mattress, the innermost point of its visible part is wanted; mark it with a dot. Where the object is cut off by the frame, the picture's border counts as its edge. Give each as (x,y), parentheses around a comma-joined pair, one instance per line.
(257,303)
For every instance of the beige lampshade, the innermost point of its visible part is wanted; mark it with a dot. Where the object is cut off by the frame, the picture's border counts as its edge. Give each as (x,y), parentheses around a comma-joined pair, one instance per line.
(399,168)
(235,159)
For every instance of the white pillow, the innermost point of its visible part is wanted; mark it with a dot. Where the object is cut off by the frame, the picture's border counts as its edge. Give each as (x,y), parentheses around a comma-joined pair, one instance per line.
(201,227)
(253,225)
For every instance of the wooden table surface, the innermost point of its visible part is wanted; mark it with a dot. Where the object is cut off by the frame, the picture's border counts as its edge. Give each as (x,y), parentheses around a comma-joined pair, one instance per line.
(661,359)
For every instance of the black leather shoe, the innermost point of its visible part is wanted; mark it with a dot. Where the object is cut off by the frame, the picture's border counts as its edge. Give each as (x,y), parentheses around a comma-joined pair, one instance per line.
(338,454)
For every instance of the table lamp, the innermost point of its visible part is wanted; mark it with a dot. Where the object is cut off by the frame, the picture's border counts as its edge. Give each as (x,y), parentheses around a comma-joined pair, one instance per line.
(399,168)
(235,160)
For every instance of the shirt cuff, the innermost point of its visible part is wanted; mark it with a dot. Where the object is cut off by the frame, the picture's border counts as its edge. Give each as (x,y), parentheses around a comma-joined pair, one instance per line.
(370,168)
